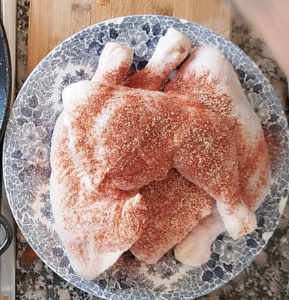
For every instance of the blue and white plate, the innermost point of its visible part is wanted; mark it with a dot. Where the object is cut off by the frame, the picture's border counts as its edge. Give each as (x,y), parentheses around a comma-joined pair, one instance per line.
(27,168)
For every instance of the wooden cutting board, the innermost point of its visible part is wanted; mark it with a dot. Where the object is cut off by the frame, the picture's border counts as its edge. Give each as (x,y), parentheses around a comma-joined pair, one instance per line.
(52,21)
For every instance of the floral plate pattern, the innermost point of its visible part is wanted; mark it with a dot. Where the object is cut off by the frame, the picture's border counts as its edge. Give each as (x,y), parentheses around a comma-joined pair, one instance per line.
(27,167)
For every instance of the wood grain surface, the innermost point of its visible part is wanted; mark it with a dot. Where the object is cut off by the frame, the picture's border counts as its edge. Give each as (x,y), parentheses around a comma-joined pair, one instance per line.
(52,21)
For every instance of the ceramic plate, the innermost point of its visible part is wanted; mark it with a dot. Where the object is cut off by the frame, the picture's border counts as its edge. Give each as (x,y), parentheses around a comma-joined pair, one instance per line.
(27,168)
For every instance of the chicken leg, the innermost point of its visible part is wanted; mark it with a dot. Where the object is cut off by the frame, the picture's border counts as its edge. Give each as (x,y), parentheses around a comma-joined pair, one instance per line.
(175,205)
(210,79)
(95,223)
(171,51)
(114,63)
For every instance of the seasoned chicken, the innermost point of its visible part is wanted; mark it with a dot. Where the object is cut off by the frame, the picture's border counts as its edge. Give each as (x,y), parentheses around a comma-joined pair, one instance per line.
(114,63)
(171,51)
(175,205)
(133,136)
(127,157)
(210,79)
(96,223)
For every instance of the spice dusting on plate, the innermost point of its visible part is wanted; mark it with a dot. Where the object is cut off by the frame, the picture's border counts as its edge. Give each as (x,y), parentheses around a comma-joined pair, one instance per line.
(28,256)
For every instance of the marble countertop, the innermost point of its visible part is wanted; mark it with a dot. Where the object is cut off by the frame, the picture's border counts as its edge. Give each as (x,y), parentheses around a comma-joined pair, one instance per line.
(268,275)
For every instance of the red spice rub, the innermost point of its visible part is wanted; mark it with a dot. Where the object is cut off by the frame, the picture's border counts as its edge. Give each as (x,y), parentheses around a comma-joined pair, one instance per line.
(202,88)
(116,76)
(175,206)
(90,219)
(253,160)
(106,204)
(82,122)
(151,132)
(208,158)
(145,79)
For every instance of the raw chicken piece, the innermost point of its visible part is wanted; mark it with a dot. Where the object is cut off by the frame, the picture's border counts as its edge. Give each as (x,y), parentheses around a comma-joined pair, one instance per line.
(175,206)
(195,249)
(113,132)
(171,51)
(114,62)
(133,136)
(210,79)
(95,223)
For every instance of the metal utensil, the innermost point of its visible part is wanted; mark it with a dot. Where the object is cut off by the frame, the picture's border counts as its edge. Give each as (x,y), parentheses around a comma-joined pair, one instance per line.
(8,10)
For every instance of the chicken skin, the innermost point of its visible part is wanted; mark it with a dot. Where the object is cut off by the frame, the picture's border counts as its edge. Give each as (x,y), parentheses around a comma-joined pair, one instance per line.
(95,223)
(207,77)
(175,205)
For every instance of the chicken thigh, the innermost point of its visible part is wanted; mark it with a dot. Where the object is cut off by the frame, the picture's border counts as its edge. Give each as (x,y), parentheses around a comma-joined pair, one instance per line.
(95,223)
(175,205)
(210,79)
